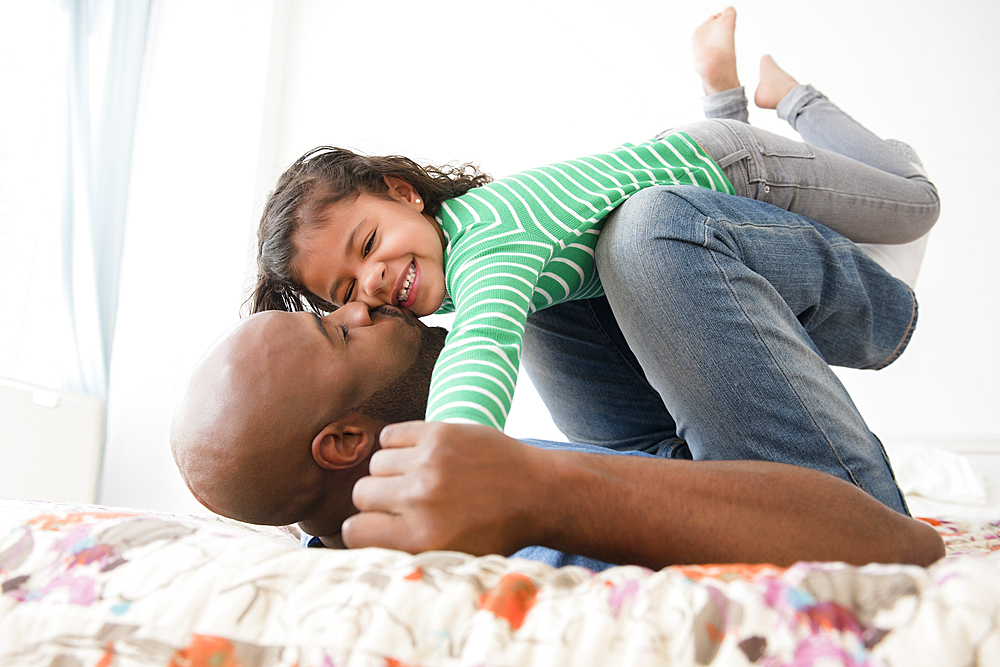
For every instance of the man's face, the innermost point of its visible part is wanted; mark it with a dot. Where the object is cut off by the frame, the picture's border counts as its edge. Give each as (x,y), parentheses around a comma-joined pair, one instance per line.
(346,356)
(405,398)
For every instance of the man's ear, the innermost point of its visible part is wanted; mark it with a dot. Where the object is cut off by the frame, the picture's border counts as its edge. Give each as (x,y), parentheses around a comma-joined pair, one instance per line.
(403,191)
(344,443)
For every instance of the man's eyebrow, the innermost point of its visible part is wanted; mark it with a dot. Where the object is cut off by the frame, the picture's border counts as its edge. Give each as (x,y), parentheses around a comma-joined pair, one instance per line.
(322,329)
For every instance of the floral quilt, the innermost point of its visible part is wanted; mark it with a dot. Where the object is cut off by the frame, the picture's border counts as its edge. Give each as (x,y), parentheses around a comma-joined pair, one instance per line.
(90,586)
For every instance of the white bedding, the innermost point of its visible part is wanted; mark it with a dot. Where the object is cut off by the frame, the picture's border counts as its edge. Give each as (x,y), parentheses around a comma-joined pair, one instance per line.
(85,585)
(941,482)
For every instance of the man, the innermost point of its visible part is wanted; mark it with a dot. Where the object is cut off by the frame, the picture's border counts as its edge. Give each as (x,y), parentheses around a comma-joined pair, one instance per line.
(286,417)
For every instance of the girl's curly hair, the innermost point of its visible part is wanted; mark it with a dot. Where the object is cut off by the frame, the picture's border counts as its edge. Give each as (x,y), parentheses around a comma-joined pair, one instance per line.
(325,176)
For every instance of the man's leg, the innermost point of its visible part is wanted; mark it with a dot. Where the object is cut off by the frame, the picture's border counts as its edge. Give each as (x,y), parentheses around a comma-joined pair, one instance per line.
(592,384)
(734,309)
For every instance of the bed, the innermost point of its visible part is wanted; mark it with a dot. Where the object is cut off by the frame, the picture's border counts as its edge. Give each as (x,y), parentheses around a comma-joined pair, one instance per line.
(93,586)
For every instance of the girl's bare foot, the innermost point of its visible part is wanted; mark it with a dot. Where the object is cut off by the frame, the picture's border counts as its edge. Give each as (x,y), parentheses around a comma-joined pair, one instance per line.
(775,83)
(715,52)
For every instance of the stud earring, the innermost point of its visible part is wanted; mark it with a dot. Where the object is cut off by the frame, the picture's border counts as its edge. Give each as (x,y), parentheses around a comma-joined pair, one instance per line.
(418,200)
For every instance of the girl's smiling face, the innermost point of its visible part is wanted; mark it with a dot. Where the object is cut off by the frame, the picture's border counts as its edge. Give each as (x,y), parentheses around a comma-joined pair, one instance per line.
(376,249)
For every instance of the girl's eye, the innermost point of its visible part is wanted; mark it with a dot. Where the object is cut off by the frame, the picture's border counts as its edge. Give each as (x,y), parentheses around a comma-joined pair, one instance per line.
(350,292)
(343,329)
(368,245)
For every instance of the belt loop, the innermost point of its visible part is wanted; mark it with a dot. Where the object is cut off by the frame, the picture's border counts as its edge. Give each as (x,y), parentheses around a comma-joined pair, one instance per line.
(733,157)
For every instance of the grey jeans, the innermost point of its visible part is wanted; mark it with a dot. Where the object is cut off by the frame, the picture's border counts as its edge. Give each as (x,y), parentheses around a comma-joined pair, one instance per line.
(842,175)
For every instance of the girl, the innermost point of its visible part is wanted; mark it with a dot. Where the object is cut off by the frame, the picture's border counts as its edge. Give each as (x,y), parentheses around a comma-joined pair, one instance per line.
(341,227)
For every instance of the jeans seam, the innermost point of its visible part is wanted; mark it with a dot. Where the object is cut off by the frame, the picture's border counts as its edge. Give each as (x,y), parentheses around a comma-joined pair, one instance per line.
(777,365)
(892,474)
(596,322)
(920,206)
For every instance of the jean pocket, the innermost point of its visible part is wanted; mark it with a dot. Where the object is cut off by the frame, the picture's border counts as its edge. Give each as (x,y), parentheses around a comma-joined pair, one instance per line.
(773,145)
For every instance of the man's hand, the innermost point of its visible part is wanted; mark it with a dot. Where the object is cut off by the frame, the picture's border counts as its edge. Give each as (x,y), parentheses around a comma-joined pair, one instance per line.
(448,486)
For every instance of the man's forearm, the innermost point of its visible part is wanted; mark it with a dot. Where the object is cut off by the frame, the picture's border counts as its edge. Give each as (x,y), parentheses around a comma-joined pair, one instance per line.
(474,489)
(658,512)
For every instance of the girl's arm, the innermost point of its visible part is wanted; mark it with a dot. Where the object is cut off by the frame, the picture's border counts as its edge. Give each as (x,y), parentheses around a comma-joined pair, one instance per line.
(475,374)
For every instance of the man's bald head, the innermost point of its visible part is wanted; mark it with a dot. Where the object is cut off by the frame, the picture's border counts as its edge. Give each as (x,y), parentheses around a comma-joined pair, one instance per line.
(246,435)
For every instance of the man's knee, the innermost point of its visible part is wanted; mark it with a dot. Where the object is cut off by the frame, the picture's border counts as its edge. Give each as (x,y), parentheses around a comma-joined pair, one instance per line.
(654,213)
(661,202)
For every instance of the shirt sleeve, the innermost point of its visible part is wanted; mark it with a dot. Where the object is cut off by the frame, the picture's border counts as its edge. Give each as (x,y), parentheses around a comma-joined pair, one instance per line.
(475,375)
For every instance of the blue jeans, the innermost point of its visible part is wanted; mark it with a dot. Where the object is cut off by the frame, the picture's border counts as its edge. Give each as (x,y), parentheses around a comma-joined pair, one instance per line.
(714,341)
(841,175)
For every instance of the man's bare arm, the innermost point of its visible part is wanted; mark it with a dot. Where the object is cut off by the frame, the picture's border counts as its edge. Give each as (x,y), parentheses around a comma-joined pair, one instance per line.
(473,489)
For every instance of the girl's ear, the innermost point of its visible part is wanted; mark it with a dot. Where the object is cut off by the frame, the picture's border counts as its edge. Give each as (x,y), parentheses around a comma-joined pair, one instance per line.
(343,444)
(403,191)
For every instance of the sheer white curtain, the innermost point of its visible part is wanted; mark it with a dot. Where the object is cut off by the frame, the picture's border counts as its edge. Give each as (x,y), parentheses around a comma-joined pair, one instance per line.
(72,72)
(189,232)
(33,69)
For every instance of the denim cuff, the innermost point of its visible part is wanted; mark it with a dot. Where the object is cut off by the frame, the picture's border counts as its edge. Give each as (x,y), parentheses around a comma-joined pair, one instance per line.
(730,103)
(792,104)
(906,337)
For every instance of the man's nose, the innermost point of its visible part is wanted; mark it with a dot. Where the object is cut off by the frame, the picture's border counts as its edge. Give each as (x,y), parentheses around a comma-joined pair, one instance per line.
(353,314)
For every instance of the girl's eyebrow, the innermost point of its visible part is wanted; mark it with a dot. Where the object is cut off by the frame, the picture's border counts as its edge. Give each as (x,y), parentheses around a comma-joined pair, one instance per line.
(350,237)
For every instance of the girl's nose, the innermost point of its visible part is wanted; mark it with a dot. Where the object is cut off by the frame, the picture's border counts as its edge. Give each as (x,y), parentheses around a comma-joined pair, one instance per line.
(374,280)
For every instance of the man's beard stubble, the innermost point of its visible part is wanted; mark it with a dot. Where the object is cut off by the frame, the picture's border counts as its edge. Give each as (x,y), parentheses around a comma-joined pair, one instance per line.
(405,398)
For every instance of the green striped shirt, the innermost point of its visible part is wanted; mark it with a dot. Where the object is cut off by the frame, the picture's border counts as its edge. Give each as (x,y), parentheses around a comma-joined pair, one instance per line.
(526,242)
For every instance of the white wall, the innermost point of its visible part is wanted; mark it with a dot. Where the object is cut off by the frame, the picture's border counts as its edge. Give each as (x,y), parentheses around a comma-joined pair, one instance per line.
(237,90)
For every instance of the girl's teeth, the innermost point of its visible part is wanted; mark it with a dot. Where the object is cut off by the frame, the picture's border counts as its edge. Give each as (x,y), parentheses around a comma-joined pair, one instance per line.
(404,293)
